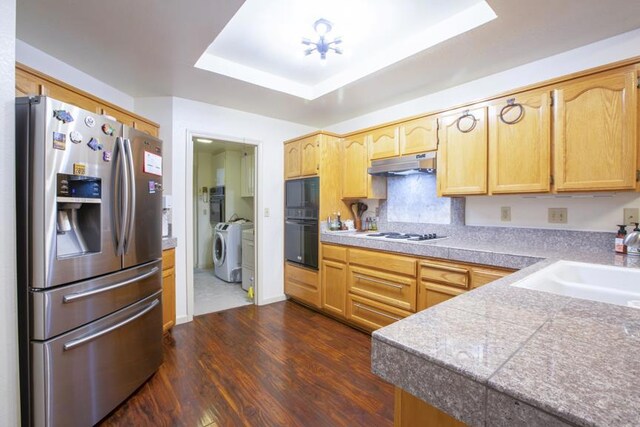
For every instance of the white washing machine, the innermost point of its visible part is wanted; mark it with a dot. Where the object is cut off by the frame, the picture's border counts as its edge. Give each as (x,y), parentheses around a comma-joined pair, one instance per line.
(227,250)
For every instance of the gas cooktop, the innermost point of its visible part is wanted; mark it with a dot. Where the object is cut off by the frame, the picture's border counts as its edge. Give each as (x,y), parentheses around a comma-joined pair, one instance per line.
(410,237)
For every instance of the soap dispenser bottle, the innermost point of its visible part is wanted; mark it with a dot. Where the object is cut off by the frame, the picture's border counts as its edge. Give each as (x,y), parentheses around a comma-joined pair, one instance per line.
(621,248)
(632,241)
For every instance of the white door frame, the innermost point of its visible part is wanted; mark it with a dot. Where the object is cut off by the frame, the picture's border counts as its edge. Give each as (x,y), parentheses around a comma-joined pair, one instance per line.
(189,211)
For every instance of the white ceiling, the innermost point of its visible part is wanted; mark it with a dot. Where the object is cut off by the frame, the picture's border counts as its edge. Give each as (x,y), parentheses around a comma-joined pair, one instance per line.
(262,42)
(149,47)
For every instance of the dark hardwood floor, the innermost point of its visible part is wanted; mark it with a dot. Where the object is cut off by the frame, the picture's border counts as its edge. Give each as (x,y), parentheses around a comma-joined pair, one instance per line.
(276,365)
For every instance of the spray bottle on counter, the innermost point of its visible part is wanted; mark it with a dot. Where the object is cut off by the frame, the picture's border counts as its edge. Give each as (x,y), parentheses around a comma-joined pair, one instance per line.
(621,248)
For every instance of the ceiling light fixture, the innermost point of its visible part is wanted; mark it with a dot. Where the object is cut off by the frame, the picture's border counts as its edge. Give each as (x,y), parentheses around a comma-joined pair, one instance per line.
(322,27)
(204,140)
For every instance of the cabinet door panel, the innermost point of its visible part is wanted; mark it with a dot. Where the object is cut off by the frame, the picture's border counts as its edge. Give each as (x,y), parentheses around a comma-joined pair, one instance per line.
(462,163)
(309,148)
(292,160)
(168,299)
(355,164)
(384,143)
(520,144)
(595,140)
(430,294)
(334,287)
(419,135)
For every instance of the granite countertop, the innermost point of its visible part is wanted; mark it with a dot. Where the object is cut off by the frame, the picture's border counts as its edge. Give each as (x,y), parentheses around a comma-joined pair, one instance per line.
(169,242)
(507,356)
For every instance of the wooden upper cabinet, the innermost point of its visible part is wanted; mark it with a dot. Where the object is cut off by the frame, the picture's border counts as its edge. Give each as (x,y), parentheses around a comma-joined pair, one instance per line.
(355,164)
(520,144)
(292,160)
(462,153)
(310,150)
(384,142)
(419,135)
(31,82)
(595,132)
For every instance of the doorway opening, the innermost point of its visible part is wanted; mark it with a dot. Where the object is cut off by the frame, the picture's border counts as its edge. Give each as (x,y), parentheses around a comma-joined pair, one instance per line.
(224,230)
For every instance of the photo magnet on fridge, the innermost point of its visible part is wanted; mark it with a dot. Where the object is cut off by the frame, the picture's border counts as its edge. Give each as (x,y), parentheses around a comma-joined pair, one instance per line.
(59,141)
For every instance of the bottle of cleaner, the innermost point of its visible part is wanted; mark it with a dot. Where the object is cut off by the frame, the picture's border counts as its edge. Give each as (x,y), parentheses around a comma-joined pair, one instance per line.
(621,248)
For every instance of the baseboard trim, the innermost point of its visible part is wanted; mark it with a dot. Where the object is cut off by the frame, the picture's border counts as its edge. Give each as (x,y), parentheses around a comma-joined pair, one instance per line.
(272,300)
(183,319)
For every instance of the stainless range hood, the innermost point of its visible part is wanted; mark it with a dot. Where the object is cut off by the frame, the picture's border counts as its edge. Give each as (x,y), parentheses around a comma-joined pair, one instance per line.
(405,165)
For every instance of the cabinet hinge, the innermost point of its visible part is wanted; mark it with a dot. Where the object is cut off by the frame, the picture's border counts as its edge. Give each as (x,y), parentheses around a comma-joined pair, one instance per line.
(638,175)
(638,82)
(551,179)
(551,100)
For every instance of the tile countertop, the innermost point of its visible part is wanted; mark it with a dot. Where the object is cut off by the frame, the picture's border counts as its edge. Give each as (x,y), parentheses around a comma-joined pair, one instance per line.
(507,356)
(169,242)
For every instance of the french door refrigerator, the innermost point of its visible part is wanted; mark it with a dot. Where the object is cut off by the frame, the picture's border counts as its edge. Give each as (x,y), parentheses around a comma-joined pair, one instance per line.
(89,193)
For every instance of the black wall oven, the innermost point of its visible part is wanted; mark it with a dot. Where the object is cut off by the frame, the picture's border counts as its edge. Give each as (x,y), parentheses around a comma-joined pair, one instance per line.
(301,221)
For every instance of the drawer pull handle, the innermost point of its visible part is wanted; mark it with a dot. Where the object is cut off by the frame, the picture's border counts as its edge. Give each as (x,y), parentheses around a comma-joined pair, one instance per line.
(79,341)
(445,268)
(80,295)
(365,308)
(382,282)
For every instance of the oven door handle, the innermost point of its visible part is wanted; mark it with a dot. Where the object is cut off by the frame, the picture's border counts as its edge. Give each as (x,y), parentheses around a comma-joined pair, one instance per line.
(79,341)
(301,222)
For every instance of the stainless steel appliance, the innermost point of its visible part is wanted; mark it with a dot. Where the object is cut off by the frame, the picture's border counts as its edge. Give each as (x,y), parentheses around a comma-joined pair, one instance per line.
(89,205)
(405,165)
(301,221)
(216,205)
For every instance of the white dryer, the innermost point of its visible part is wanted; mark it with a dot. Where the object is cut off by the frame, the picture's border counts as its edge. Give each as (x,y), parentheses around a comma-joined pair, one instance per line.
(227,250)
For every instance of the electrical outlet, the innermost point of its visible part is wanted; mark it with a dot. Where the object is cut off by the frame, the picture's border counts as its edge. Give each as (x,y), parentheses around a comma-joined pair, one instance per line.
(558,215)
(630,216)
(267,212)
(505,213)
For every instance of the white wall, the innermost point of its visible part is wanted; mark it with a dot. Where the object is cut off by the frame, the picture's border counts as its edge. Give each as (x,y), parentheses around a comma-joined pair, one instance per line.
(45,63)
(9,400)
(589,214)
(231,125)
(205,177)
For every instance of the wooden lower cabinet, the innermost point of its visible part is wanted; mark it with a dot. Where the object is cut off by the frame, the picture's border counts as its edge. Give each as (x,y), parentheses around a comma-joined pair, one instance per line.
(371,289)
(411,411)
(370,314)
(168,289)
(302,284)
(334,287)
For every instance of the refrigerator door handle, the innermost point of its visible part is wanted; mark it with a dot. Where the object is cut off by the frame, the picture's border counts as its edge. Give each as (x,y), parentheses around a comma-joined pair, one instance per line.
(131,193)
(80,295)
(122,195)
(79,341)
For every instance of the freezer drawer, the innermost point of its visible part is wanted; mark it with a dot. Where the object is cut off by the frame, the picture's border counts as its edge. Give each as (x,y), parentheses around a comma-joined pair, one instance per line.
(81,376)
(62,309)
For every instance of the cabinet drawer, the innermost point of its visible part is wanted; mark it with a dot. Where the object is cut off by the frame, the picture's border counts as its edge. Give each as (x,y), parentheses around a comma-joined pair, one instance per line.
(446,273)
(481,276)
(302,284)
(335,253)
(391,289)
(168,258)
(372,315)
(383,261)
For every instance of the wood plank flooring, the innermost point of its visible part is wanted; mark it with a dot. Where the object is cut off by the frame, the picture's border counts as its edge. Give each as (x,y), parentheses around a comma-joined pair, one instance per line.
(275,365)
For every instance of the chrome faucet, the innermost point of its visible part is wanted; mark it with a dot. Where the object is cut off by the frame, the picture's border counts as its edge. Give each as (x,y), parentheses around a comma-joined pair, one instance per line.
(632,241)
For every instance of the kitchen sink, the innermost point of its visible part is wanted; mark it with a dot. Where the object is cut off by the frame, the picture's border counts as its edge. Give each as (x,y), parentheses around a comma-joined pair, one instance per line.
(613,285)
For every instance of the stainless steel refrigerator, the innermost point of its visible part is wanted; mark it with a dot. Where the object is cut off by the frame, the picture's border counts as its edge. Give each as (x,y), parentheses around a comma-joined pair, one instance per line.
(89,204)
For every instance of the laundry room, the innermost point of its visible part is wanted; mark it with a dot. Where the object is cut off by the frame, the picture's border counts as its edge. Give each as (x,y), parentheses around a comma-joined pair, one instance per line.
(224,188)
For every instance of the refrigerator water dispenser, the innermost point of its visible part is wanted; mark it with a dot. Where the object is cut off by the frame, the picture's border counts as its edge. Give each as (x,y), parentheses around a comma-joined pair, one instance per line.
(78,215)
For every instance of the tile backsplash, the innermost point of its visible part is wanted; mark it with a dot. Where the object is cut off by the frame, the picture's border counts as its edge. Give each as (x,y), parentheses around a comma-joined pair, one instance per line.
(413,199)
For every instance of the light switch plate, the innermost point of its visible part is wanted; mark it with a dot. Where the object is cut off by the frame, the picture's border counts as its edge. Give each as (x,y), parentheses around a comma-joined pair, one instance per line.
(267,212)
(505,213)
(631,216)
(558,215)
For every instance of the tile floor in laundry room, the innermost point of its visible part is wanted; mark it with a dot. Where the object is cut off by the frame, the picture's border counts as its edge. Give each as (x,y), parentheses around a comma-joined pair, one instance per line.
(212,294)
